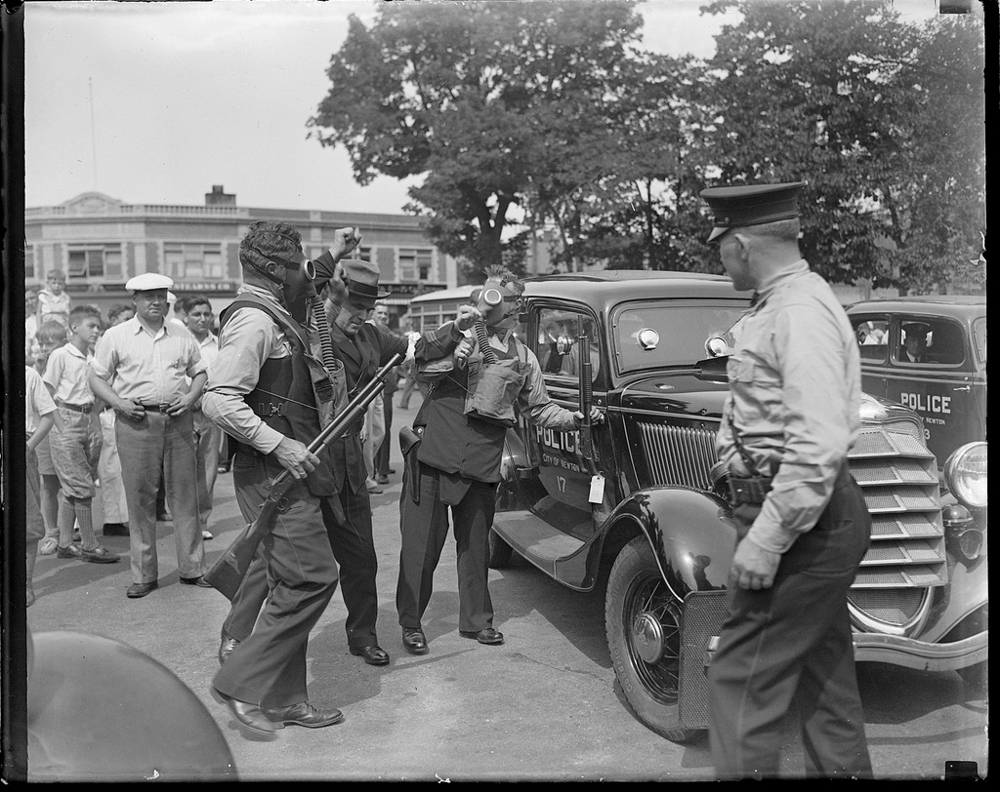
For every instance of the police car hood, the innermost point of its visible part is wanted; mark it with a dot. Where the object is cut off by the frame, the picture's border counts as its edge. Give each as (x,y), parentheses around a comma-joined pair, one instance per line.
(683,393)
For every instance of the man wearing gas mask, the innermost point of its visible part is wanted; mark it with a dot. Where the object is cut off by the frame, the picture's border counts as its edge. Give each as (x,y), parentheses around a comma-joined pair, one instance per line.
(328,517)
(267,391)
(456,461)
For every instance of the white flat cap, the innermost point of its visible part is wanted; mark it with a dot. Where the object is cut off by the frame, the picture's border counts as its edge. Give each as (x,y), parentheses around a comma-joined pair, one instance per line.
(148,281)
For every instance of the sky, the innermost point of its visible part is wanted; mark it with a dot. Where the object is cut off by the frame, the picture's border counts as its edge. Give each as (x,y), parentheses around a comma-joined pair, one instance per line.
(153,103)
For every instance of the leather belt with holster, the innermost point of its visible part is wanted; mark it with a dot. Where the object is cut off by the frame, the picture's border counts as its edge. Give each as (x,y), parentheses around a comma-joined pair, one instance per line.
(750,490)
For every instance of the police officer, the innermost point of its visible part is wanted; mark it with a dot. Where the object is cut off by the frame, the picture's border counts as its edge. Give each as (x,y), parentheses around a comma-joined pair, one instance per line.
(462,423)
(802,524)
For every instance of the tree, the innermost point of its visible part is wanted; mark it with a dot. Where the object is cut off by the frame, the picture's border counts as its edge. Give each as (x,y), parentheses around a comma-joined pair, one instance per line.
(883,119)
(478,98)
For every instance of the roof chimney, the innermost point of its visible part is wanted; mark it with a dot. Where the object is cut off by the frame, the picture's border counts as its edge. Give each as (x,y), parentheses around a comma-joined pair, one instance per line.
(219,198)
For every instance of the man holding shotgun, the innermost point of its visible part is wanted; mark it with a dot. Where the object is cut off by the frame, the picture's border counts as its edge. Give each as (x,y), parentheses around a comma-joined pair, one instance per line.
(268,393)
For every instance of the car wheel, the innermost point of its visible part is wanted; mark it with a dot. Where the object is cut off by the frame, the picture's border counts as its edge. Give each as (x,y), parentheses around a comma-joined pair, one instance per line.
(500,551)
(643,624)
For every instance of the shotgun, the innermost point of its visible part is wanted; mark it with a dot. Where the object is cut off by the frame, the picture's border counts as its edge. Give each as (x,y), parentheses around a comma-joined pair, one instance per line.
(602,509)
(230,568)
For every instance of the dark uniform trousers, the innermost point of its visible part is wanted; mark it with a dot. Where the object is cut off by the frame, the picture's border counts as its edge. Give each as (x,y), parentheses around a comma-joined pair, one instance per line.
(789,648)
(298,569)
(424,529)
(353,547)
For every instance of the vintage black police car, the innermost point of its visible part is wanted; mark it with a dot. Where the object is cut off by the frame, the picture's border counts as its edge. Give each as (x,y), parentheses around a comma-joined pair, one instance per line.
(928,354)
(635,497)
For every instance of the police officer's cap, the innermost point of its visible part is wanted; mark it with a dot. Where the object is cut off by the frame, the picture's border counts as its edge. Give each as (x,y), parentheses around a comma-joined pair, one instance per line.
(751,204)
(148,281)
(914,329)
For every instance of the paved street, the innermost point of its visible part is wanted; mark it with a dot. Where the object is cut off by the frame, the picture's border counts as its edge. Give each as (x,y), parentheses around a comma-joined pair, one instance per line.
(542,706)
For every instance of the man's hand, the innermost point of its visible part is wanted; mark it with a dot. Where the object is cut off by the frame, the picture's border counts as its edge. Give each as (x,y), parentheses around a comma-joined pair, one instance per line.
(130,408)
(181,404)
(344,241)
(753,567)
(337,292)
(294,457)
(596,416)
(468,315)
(464,349)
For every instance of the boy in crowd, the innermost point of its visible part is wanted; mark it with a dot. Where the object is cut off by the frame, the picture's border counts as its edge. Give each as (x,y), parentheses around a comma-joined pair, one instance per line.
(76,446)
(51,336)
(114,507)
(39,417)
(53,300)
(198,316)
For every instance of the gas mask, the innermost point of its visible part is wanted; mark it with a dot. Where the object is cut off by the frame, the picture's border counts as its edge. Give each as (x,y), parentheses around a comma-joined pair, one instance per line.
(499,306)
(297,287)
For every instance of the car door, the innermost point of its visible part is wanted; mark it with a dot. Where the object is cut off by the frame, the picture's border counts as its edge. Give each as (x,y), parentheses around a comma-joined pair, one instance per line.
(940,384)
(563,472)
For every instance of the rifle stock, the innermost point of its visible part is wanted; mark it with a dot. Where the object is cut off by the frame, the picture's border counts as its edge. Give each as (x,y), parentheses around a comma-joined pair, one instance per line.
(230,568)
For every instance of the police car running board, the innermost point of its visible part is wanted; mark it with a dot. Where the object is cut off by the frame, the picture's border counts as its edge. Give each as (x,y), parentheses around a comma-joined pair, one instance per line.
(534,539)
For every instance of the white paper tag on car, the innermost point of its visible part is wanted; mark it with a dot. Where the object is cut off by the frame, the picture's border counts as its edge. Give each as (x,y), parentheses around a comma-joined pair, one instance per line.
(597,489)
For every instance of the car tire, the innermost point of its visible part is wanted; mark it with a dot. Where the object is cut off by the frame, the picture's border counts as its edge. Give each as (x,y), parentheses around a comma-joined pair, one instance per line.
(499,551)
(638,602)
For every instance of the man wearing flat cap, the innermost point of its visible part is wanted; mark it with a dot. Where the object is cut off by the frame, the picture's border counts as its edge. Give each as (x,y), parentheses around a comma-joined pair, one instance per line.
(802,523)
(140,368)
(915,342)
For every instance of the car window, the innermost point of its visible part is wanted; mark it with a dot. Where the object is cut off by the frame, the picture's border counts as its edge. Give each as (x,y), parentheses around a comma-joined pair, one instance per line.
(558,348)
(979,338)
(873,338)
(932,342)
(655,334)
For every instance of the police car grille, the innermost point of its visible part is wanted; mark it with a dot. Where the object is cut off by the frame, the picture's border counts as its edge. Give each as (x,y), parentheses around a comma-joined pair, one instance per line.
(678,455)
(894,606)
(906,556)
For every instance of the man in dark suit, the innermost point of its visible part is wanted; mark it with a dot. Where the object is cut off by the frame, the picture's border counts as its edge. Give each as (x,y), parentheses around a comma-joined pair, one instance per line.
(915,342)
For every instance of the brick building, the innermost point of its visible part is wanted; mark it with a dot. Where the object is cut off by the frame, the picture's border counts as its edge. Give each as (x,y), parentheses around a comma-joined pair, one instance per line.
(100,242)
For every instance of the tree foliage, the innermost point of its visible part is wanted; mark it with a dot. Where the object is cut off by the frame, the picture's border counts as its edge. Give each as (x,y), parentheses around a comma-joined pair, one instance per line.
(527,115)
(477,98)
(884,120)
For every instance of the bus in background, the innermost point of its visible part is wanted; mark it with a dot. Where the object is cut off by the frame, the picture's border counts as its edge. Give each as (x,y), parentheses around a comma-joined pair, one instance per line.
(430,311)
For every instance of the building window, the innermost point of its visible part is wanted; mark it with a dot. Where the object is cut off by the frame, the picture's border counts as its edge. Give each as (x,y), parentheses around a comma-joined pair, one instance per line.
(193,260)
(94,261)
(365,252)
(415,264)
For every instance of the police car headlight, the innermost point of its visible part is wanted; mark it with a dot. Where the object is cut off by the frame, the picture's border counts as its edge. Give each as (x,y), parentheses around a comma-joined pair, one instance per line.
(965,475)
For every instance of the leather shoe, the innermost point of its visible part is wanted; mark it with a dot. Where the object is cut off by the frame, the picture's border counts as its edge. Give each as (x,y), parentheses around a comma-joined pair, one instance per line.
(197,581)
(115,529)
(137,590)
(303,714)
(414,641)
(250,715)
(487,636)
(226,647)
(373,654)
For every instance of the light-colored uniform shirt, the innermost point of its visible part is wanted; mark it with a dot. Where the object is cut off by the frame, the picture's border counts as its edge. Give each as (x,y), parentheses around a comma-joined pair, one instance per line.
(149,367)
(248,338)
(37,401)
(795,396)
(68,372)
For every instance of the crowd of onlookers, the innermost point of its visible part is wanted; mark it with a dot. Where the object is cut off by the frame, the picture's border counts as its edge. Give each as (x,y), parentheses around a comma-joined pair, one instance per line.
(75,490)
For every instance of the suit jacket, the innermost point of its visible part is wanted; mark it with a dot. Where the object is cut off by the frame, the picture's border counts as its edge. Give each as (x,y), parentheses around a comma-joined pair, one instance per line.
(362,356)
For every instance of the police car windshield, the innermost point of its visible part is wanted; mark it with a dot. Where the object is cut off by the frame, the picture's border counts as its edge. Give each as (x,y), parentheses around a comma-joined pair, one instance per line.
(681,330)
